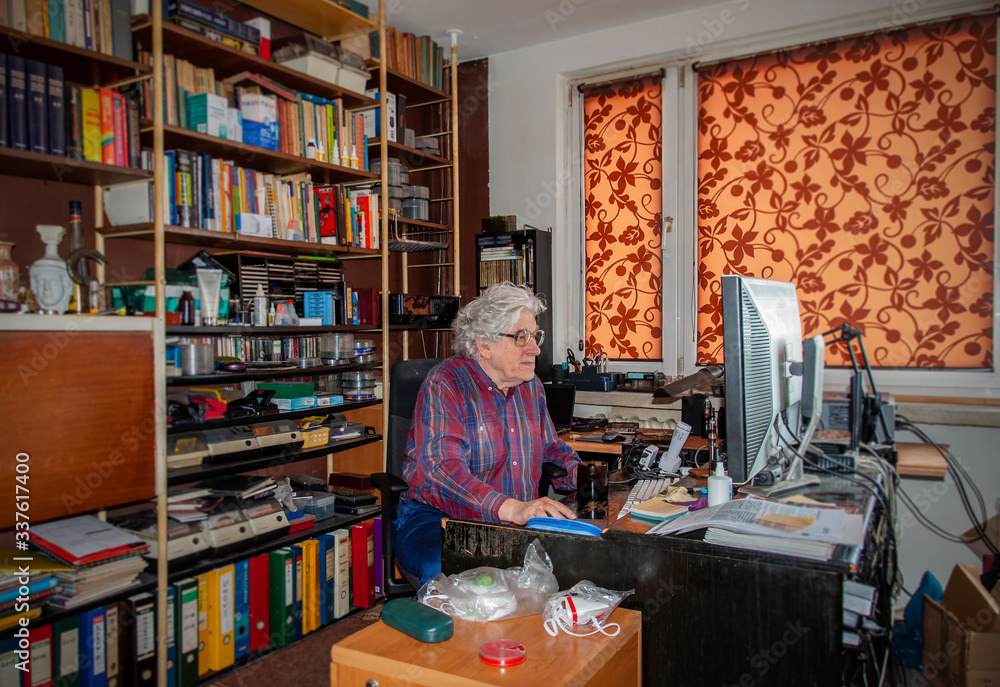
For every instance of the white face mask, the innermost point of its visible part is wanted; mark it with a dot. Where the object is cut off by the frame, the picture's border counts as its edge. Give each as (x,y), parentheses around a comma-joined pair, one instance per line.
(483,597)
(575,614)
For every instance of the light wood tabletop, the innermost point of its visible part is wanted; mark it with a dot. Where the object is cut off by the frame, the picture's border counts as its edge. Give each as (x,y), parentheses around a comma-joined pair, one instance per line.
(389,657)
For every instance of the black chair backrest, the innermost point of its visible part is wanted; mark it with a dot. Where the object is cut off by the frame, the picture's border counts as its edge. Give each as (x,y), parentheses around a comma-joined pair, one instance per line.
(405,378)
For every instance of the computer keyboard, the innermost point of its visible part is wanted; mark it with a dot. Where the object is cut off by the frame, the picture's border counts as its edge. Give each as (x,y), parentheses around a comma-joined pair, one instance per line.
(644,489)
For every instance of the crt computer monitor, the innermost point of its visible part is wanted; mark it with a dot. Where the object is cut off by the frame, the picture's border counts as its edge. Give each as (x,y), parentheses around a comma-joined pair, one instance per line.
(762,348)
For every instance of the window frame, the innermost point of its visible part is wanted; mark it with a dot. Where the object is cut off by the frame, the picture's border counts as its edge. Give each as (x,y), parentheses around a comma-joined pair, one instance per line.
(679,245)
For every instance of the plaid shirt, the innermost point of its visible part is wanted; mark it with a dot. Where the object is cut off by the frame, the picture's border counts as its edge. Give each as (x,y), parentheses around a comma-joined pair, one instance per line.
(471,447)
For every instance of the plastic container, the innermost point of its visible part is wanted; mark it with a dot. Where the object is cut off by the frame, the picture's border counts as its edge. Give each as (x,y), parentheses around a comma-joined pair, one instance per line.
(720,486)
(416,208)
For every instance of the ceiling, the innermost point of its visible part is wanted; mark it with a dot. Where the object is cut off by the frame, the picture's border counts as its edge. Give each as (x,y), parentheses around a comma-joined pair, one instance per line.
(490,27)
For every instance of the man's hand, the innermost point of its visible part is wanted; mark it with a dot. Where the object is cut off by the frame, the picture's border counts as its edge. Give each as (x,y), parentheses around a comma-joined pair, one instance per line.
(519,512)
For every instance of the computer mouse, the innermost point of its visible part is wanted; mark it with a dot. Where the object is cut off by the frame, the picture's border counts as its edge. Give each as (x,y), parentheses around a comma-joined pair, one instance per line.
(612,437)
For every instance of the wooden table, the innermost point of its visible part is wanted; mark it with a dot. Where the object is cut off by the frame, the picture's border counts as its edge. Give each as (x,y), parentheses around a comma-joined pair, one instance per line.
(389,657)
(915,460)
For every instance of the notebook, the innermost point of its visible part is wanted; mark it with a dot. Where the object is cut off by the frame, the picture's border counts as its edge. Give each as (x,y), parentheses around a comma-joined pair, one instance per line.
(559,398)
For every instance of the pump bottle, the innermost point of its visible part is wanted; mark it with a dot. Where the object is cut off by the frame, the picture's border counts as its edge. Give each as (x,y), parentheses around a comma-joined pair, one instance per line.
(720,486)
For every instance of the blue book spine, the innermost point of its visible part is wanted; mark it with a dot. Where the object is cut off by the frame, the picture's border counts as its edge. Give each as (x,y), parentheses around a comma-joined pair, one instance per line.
(17,95)
(327,572)
(172,186)
(88,28)
(38,128)
(39,584)
(56,110)
(4,139)
(93,668)
(57,21)
(241,608)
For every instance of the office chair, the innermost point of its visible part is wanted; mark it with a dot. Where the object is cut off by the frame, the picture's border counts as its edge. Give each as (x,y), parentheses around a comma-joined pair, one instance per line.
(405,378)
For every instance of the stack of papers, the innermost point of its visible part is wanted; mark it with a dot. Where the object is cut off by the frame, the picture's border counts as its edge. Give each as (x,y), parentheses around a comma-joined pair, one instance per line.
(101,557)
(760,524)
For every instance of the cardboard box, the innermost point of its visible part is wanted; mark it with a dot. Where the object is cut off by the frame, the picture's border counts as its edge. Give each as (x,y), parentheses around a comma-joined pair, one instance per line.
(207,114)
(260,120)
(962,634)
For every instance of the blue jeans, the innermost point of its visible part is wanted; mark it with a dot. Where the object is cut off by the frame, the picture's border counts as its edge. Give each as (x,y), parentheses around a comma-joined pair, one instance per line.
(416,539)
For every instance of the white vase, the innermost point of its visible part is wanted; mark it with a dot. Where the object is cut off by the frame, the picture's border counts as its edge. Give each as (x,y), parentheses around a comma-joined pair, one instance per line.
(49,279)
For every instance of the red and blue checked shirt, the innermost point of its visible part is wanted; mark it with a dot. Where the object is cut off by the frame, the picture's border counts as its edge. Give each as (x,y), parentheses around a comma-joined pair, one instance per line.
(471,446)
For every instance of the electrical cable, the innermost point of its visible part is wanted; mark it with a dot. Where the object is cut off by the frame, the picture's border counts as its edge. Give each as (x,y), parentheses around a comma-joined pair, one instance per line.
(961,477)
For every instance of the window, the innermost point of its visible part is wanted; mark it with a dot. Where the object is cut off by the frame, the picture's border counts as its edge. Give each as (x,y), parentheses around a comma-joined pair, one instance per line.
(623,208)
(862,170)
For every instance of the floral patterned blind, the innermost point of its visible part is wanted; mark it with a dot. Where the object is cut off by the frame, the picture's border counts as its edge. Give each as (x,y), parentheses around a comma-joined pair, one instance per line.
(622,181)
(861,170)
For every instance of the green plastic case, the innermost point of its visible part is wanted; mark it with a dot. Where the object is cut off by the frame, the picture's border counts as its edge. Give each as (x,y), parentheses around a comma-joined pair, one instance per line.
(421,622)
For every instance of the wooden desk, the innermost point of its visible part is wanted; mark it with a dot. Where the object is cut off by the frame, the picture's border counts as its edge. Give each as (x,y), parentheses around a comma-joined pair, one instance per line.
(389,657)
(712,615)
(915,460)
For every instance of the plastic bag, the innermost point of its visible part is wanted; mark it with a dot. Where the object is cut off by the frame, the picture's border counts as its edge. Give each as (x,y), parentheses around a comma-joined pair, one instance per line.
(483,594)
(583,610)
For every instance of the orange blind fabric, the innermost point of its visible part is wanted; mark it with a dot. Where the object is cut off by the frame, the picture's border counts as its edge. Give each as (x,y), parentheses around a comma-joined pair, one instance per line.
(861,170)
(622,182)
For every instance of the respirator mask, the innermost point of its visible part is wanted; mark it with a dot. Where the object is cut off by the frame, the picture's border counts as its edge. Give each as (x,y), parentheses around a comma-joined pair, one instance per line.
(583,610)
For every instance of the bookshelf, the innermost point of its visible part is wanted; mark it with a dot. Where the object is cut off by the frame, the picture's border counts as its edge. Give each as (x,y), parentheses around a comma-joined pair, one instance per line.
(426,250)
(522,257)
(168,243)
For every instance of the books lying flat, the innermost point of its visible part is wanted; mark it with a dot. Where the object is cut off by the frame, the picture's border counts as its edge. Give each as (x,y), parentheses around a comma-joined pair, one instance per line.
(816,550)
(240,486)
(657,509)
(85,539)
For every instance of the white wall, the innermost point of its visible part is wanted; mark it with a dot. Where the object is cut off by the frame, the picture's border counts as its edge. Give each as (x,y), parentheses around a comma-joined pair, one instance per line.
(532,168)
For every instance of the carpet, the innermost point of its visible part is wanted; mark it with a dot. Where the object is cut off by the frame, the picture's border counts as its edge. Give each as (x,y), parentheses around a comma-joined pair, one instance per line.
(306,663)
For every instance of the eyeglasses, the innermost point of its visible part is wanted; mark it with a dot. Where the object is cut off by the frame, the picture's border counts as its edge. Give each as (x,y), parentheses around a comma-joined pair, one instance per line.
(522,337)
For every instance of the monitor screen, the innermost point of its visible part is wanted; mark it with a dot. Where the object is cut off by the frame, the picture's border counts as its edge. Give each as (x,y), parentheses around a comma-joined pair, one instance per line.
(762,338)
(560,400)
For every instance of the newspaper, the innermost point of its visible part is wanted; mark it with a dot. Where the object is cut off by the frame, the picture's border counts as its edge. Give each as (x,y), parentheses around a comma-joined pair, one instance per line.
(745,516)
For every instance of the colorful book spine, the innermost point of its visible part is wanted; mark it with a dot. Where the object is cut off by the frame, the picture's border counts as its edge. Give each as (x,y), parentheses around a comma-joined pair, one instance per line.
(91,118)
(93,643)
(282,595)
(241,609)
(107,125)
(120,129)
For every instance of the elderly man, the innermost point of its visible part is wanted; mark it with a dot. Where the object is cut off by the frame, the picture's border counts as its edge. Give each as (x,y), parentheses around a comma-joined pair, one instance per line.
(480,431)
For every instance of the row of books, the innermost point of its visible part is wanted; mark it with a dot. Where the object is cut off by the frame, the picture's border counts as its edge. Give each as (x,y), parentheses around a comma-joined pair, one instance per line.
(207,192)
(417,57)
(245,36)
(226,614)
(41,113)
(305,125)
(104,26)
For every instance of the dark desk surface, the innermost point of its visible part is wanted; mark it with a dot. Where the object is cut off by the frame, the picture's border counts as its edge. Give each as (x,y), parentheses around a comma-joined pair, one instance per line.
(711,614)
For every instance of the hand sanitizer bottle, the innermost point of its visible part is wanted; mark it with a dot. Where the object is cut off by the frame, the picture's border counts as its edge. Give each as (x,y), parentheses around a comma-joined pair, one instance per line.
(720,486)
(260,307)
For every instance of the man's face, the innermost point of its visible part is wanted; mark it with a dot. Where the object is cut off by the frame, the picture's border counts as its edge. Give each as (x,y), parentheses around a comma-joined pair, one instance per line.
(504,361)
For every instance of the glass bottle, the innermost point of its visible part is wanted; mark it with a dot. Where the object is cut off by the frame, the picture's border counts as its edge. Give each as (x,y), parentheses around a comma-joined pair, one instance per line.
(75,242)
